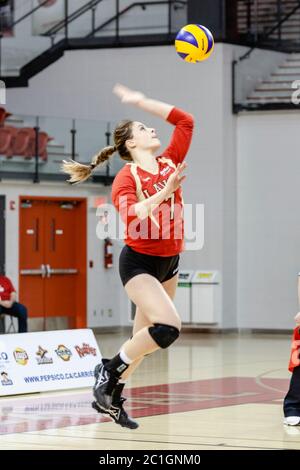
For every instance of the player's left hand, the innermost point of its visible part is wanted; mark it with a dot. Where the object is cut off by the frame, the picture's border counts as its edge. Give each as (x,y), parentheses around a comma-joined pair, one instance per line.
(127,95)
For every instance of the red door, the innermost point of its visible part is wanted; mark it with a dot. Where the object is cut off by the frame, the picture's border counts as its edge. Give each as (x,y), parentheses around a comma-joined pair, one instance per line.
(32,267)
(53,258)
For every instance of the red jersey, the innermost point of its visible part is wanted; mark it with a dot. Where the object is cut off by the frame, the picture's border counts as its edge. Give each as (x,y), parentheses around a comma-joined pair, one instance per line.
(295,352)
(6,288)
(162,232)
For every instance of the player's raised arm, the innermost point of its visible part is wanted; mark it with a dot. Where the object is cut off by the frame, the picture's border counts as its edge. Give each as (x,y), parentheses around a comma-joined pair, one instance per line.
(136,98)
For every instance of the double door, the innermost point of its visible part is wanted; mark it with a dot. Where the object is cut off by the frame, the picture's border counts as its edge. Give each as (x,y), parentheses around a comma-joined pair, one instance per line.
(52,275)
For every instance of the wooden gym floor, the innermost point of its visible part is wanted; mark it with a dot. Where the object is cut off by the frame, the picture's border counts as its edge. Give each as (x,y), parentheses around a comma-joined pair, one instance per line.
(206,392)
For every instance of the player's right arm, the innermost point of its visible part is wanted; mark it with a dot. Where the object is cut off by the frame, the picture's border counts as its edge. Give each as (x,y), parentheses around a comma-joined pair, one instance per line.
(136,98)
(183,121)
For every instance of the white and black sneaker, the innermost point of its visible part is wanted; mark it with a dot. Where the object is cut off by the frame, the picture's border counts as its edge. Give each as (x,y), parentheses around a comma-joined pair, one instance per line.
(117,413)
(292,420)
(104,386)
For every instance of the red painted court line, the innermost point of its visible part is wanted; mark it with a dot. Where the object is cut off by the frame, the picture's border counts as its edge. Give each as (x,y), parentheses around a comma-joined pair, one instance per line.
(40,413)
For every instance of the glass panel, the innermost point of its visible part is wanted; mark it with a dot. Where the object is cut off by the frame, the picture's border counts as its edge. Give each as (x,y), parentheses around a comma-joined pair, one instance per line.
(55,145)
(59,147)
(90,139)
(12,161)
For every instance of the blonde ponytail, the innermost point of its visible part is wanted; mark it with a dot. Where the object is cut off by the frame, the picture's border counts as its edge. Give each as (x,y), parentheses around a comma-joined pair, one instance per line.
(80,172)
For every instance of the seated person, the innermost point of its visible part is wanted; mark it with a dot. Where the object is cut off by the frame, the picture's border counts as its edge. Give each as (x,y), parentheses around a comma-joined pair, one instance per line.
(8,304)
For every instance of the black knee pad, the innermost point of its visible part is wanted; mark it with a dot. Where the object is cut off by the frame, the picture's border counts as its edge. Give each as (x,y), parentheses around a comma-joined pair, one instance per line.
(163,335)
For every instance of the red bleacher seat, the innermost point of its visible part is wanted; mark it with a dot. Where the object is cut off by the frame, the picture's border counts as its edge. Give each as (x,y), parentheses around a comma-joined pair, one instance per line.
(44,138)
(7,136)
(3,115)
(5,141)
(22,142)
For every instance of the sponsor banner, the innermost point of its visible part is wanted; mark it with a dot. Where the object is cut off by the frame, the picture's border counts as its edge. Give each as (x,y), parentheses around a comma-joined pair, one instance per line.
(47,15)
(6,17)
(47,360)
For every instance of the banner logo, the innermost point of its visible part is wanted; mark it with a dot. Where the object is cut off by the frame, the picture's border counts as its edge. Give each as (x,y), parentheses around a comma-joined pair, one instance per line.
(63,352)
(21,356)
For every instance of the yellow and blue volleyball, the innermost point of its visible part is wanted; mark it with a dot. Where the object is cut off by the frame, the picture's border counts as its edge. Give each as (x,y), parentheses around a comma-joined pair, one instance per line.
(194,43)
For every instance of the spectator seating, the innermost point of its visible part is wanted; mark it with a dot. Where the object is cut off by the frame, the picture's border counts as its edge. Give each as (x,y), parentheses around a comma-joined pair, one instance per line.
(21,141)
(7,135)
(3,115)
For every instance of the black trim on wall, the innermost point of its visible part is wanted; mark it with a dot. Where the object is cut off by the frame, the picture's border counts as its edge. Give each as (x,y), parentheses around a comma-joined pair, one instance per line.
(238,108)
(14,175)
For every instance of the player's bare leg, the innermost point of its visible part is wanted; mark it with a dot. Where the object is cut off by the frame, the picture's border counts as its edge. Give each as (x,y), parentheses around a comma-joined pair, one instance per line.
(164,330)
(141,321)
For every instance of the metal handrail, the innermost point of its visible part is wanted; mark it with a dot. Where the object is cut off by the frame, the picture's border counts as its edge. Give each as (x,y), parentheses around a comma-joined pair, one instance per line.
(29,13)
(90,5)
(276,27)
(142,5)
(63,23)
(73,16)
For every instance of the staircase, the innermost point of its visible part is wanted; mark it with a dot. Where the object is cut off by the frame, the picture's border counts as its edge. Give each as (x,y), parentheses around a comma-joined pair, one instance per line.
(138,24)
(257,17)
(277,88)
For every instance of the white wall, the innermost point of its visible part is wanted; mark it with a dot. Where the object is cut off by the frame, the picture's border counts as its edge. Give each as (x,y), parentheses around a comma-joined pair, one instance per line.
(229,194)
(85,91)
(268,219)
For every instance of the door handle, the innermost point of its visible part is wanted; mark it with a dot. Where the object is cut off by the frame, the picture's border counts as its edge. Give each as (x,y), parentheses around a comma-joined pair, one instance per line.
(34,272)
(48,270)
(64,271)
(43,269)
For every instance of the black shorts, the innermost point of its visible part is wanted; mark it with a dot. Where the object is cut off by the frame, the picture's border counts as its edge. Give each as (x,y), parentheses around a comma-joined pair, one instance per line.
(132,263)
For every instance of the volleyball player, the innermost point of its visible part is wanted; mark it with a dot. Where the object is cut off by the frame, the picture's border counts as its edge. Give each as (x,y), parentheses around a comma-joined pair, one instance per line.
(147,192)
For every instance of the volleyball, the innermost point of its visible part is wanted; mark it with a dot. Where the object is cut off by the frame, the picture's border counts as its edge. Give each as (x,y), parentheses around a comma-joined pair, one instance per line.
(194,43)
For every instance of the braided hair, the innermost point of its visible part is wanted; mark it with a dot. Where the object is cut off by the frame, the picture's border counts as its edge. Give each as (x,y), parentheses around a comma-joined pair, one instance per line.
(79,172)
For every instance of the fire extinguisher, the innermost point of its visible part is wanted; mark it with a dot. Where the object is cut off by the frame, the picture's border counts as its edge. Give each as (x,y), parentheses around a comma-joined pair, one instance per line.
(108,253)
